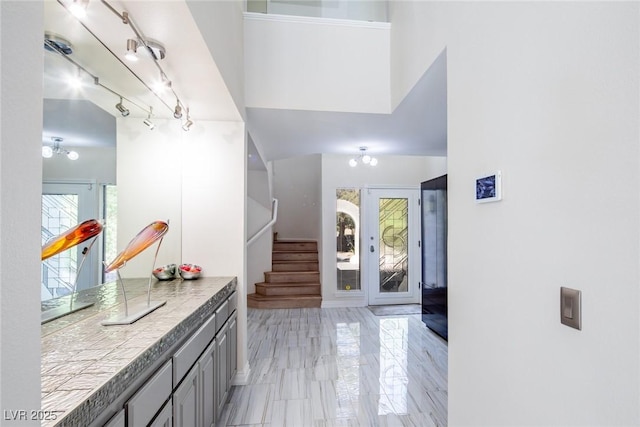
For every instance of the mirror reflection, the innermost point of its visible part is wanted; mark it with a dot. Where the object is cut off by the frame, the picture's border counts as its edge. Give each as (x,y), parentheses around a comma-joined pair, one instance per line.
(79,147)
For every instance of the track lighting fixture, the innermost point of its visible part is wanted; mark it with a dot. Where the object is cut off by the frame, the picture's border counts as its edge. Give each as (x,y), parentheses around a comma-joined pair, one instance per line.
(188,123)
(132,47)
(363,158)
(123,110)
(49,151)
(177,112)
(148,121)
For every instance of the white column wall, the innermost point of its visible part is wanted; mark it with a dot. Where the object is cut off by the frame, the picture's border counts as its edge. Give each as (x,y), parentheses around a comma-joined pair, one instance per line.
(21,71)
(149,171)
(548,93)
(336,173)
(197,179)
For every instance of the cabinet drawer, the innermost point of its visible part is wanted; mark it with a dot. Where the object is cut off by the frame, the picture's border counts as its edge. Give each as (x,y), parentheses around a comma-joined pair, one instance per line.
(222,313)
(233,302)
(149,399)
(186,356)
(117,420)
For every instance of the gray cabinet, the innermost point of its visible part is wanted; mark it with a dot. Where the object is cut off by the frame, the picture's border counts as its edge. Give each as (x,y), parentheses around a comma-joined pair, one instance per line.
(191,388)
(165,417)
(117,420)
(207,368)
(233,348)
(222,357)
(148,400)
(186,401)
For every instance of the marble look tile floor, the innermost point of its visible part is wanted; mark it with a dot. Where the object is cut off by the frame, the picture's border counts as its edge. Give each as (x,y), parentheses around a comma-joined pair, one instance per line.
(340,367)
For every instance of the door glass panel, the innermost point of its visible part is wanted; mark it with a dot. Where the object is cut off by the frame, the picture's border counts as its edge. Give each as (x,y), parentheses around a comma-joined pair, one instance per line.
(393,244)
(348,239)
(59,213)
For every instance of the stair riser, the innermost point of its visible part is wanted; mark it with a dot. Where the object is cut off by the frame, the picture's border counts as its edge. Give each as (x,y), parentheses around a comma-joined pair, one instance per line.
(295,256)
(295,246)
(277,303)
(295,266)
(295,277)
(267,290)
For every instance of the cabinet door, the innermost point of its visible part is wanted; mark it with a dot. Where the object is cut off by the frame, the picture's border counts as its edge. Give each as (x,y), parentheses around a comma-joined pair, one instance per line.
(222,355)
(117,420)
(233,349)
(164,418)
(185,401)
(207,368)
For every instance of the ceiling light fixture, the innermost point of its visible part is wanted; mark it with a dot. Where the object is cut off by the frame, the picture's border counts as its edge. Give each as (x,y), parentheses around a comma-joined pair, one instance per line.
(188,123)
(148,121)
(79,8)
(132,48)
(363,158)
(49,151)
(123,110)
(177,112)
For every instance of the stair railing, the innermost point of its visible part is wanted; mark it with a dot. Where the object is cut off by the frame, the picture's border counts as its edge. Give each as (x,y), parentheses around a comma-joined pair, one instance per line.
(274,217)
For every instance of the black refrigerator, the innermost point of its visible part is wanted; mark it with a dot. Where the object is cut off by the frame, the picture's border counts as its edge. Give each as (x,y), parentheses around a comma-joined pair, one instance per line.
(433,206)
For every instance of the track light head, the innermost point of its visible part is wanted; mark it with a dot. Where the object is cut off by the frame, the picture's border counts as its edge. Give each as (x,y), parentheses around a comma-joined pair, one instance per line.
(148,121)
(188,123)
(132,48)
(177,112)
(122,109)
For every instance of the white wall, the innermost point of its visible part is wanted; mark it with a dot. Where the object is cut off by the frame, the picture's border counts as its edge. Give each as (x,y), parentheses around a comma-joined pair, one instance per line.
(98,163)
(296,185)
(259,252)
(149,170)
(20,206)
(547,93)
(221,24)
(345,67)
(336,173)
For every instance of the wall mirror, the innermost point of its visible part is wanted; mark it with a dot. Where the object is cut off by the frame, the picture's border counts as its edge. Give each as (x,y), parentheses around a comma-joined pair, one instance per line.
(83,84)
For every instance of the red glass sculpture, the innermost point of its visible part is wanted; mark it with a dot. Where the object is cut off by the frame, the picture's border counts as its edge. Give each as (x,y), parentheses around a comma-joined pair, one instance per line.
(142,241)
(72,237)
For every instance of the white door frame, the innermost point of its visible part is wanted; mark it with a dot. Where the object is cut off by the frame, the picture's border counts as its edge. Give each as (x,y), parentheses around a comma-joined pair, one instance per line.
(370,260)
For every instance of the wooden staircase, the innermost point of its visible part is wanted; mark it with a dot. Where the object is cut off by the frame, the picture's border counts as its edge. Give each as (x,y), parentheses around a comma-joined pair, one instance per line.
(294,279)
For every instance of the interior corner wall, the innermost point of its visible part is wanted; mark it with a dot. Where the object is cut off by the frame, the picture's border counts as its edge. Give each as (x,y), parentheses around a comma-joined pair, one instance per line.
(20,207)
(546,92)
(296,185)
(398,171)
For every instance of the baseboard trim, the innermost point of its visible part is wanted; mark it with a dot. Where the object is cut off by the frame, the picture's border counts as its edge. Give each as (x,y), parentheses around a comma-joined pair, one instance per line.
(242,375)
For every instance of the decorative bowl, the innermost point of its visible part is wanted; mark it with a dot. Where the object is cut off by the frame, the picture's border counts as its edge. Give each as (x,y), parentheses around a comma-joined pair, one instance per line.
(189,271)
(166,272)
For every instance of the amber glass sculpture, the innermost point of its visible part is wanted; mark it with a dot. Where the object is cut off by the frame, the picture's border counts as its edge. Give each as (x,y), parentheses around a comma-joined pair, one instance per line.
(142,241)
(72,237)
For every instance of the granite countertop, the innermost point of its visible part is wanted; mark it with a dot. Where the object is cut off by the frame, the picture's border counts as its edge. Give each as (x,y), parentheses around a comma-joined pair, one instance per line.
(86,366)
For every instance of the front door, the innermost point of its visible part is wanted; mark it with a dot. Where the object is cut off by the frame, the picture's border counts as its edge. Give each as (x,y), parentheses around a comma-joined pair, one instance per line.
(392,246)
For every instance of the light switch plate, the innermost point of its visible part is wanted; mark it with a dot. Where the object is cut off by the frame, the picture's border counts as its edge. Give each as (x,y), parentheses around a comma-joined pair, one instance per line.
(571,307)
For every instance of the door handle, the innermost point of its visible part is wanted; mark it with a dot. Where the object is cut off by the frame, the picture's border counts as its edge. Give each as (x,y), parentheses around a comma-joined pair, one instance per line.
(371,248)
